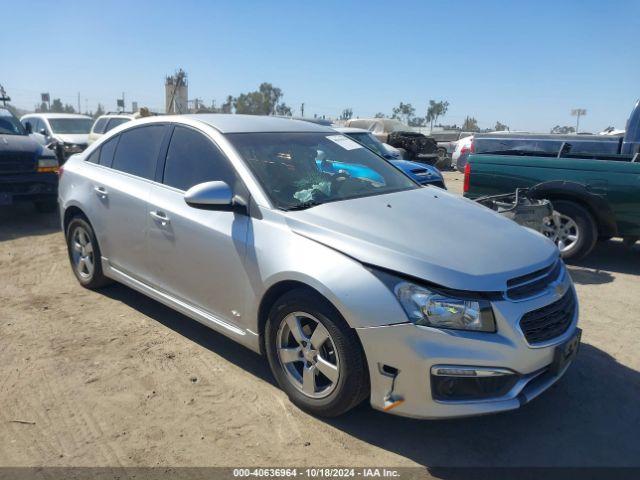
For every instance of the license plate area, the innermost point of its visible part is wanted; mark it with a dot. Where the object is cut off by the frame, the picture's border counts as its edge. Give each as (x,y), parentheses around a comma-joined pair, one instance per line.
(565,353)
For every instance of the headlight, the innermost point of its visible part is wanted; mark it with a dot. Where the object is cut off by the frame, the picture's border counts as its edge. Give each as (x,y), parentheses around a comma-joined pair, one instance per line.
(432,309)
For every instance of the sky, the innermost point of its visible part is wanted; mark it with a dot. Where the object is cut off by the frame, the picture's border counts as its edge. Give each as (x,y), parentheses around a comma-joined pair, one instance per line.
(525,64)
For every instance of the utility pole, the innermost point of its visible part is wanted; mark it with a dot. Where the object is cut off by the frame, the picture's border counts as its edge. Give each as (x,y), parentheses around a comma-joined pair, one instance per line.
(578,112)
(3,96)
(302,110)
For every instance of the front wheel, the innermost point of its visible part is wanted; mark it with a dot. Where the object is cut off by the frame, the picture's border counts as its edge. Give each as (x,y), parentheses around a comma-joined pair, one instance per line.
(314,355)
(572,228)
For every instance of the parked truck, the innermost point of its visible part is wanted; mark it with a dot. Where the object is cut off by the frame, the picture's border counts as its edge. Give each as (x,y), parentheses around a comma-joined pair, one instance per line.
(593,196)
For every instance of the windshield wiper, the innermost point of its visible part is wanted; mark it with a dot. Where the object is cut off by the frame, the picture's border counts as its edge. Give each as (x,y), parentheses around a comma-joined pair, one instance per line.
(304,205)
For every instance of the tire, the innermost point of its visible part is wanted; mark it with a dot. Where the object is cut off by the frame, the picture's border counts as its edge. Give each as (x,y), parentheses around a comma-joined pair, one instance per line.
(310,313)
(46,206)
(573,218)
(82,244)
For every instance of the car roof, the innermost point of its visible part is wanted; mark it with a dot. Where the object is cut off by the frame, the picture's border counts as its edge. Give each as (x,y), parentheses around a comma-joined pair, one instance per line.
(235,123)
(117,115)
(56,115)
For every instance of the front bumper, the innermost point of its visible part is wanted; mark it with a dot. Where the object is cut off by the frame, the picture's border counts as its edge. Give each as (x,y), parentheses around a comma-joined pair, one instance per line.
(28,187)
(412,351)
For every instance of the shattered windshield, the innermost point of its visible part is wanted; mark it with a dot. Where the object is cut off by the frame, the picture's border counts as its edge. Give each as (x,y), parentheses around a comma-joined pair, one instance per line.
(301,170)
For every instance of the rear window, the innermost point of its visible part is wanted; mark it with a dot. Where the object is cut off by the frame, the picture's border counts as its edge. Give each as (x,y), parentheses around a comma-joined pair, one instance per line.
(99,126)
(138,150)
(114,122)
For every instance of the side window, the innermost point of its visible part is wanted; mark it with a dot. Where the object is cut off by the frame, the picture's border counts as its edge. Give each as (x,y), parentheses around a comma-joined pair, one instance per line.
(94,157)
(192,159)
(107,150)
(98,127)
(138,150)
(114,122)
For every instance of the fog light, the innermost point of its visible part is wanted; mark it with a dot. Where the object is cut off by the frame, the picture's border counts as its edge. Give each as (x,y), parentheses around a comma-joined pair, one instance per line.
(451,383)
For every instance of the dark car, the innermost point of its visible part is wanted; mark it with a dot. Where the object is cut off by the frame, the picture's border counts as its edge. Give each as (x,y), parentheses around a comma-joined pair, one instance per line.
(28,171)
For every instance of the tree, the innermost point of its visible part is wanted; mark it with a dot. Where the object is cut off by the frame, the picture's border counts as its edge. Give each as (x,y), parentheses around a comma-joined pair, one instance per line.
(56,106)
(470,124)
(42,108)
(563,130)
(99,111)
(346,114)
(404,111)
(417,122)
(264,101)
(379,115)
(500,127)
(69,108)
(283,109)
(436,110)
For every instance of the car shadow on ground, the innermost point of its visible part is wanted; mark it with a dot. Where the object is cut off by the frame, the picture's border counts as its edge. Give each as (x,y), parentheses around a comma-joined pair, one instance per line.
(22,220)
(590,418)
(610,256)
(194,331)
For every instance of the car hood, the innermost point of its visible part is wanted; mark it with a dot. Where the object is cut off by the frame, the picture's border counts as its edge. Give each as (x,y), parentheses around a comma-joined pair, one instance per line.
(429,234)
(78,138)
(408,166)
(19,144)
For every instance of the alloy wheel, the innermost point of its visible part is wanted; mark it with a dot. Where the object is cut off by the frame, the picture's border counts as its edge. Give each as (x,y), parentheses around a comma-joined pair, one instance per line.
(563,230)
(82,252)
(307,354)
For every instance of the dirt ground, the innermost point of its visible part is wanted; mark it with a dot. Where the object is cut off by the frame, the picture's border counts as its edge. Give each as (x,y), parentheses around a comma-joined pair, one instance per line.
(112,378)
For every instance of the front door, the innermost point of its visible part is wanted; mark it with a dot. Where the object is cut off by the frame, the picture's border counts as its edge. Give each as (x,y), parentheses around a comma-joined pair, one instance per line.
(197,255)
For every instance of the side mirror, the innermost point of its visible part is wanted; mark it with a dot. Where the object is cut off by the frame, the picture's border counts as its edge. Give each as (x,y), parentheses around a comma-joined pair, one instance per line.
(28,127)
(210,196)
(43,131)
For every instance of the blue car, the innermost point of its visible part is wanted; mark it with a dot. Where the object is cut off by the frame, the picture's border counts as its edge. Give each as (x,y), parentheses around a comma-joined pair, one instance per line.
(422,173)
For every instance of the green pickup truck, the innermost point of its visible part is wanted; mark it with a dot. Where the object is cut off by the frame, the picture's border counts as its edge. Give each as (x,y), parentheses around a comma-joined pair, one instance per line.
(593,196)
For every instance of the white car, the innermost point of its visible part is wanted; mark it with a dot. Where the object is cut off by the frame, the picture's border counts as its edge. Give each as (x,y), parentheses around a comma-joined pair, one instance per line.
(107,122)
(463,148)
(67,129)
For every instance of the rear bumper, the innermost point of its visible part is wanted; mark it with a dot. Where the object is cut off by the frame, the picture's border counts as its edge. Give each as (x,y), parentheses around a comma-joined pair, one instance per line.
(28,187)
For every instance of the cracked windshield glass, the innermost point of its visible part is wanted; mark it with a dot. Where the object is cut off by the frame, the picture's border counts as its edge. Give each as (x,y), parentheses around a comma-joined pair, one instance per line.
(302,170)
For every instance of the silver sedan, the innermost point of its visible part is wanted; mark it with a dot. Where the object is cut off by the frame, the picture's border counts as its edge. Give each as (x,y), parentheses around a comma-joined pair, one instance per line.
(300,244)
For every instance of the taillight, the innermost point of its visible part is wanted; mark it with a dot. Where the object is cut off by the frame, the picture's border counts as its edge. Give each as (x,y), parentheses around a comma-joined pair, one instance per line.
(467,176)
(472,148)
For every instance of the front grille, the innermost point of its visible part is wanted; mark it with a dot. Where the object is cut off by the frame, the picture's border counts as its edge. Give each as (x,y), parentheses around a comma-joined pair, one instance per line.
(534,283)
(549,322)
(17,162)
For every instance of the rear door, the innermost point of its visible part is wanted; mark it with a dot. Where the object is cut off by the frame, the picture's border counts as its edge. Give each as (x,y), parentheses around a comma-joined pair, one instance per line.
(197,255)
(121,191)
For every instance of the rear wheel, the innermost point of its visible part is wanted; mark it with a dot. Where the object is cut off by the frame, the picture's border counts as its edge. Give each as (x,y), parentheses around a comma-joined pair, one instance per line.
(314,356)
(572,228)
(84,254)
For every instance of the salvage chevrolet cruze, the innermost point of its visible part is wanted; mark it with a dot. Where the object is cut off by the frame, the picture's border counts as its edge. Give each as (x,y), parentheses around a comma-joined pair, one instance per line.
(254,227)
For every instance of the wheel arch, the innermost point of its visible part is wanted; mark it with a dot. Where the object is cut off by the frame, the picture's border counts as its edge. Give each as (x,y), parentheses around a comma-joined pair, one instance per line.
(71,212)
(578,193)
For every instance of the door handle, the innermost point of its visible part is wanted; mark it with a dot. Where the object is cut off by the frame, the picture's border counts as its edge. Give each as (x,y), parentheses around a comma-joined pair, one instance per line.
(101,192)
(160,217)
